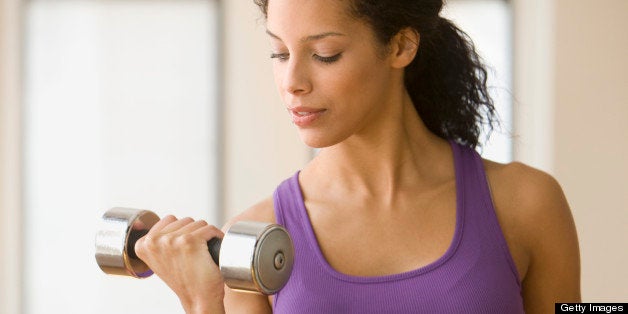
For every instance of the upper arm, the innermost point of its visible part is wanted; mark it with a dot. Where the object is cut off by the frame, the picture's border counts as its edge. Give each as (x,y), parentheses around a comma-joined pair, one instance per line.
(539,223)
(242,302)
(554,268)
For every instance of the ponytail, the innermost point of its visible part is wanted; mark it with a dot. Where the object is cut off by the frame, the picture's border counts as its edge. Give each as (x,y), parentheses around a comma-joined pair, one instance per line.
(447,84)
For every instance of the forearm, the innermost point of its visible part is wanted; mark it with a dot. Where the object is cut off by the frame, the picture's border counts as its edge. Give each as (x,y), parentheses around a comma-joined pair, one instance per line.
(215,306)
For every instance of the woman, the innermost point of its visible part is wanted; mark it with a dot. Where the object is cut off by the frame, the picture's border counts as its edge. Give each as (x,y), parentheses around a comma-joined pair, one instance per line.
(397,213)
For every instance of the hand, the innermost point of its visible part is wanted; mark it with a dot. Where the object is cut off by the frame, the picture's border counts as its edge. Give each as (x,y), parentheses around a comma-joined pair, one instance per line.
(176,251)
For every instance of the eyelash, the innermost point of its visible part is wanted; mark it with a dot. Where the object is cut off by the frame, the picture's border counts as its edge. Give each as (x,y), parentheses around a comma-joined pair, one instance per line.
(279,56)
(284,57)
(331,59)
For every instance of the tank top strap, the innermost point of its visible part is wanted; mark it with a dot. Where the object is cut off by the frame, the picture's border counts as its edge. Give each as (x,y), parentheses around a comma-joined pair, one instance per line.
(478,201)
(285,200)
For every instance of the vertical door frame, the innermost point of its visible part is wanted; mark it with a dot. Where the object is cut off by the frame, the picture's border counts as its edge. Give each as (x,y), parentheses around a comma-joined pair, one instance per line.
(11,21)
(533,82)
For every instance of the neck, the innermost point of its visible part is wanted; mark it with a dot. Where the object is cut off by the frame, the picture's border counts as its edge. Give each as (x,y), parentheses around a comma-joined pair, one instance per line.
(387,158)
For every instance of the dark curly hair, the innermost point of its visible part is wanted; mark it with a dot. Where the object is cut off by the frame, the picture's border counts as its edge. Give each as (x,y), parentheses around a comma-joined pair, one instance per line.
(447,79)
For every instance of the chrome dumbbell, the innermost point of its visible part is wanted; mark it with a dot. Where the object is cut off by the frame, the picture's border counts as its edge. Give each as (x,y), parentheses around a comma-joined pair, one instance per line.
(252,256)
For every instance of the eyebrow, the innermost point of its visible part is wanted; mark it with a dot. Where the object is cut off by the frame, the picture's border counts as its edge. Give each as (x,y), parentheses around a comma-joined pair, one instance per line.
(311,37)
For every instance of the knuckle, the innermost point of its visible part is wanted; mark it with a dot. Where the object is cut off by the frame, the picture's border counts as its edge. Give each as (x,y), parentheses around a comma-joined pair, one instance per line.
(215,230)
(185,241)
(144,246)
(150,243)
(147,240)
(166,240)
(139,248)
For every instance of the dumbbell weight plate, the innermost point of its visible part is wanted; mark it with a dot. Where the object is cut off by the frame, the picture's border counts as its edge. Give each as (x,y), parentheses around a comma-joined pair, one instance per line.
(256,256)
(111,241)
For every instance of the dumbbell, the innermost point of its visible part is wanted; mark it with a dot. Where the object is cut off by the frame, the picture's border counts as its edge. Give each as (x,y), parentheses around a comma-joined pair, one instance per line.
(252,256)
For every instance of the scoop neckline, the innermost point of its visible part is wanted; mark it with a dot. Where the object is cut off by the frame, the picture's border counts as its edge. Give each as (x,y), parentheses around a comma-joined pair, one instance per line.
(451,250)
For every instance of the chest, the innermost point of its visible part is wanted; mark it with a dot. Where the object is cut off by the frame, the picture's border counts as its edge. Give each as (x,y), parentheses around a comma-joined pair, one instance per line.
(468,281)
(366,241)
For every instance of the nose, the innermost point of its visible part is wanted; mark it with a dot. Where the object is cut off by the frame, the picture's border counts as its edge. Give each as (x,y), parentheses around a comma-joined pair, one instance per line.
(296,78)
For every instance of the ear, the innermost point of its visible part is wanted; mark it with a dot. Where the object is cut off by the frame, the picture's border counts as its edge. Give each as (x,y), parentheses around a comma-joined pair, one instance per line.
(404,47)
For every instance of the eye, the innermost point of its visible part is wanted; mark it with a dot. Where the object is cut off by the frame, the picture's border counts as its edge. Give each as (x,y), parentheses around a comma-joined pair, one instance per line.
(280,56)
(330,59)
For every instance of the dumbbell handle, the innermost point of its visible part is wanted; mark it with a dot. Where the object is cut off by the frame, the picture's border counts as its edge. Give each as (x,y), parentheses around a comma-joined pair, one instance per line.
(213,245)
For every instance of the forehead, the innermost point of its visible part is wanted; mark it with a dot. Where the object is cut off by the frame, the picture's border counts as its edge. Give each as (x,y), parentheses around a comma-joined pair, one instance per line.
(305,17)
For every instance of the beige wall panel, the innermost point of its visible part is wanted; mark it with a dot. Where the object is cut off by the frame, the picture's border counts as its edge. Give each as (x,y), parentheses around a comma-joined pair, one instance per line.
(591,137)
(10,154)
(261,146)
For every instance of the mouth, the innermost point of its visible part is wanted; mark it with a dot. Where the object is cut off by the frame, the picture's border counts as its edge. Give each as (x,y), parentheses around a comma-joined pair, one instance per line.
(305,116)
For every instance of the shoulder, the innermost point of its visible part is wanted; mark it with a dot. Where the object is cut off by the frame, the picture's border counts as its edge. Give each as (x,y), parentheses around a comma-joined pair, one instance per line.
(527,194)
(526,185)
(263,211)
(538,225)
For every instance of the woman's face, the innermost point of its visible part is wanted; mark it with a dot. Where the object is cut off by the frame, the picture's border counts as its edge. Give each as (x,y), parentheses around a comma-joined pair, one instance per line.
(329,69)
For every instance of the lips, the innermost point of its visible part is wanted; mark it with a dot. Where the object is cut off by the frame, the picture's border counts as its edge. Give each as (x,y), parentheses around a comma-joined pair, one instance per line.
(305,116)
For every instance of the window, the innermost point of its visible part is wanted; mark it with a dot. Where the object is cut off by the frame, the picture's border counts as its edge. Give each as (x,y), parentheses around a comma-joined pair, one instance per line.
(489,24)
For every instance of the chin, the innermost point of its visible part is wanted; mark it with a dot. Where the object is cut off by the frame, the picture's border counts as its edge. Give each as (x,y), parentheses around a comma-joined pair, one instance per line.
(315,143)
(316,139)
(321,138)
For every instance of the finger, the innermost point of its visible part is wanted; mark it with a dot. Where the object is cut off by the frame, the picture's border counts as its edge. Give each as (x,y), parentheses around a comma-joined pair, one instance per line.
(208,232)
(162,223)
(138,225)
(176,225)
(189,228)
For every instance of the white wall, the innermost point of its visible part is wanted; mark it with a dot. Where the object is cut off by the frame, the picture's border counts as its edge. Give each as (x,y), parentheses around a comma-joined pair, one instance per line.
(118,111)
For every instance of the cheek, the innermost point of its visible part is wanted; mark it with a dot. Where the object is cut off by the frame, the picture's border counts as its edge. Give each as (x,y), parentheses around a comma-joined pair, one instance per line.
(360,83)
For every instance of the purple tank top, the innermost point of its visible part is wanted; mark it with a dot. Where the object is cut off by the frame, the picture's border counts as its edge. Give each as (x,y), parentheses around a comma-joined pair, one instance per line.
(475,275)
